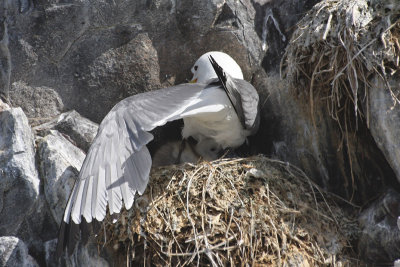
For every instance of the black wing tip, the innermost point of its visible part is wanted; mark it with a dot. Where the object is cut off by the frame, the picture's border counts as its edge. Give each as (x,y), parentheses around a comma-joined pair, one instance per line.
(212,60)
(218,69)
(68,237)
(61,240)
(223,78)
(70,234)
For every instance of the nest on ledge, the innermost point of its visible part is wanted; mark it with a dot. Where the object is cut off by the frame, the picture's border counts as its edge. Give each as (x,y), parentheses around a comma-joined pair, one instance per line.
(339,46)
(247,211)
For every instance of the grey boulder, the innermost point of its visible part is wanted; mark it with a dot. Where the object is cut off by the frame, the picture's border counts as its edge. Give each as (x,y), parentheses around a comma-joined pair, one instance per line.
(14,252)
(84,255)
(80,130)
(60,162)
(39,103)
(77,129)
(383,120)
(380,232)
(19,181)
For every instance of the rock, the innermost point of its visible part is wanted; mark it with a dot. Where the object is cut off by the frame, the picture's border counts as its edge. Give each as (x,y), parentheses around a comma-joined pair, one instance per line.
(60,162)
(287,133)
(38,227)
(81,130)
(24,211)
(19,181)
(83,256)
(120,72)
(50,249)
(274,23)
(383,119)
(330,91)
(13,252)
(5,56)
(39,103)
(92,78)
(291,135)
(3,106)
(144,44)
(380,236)
(87,255)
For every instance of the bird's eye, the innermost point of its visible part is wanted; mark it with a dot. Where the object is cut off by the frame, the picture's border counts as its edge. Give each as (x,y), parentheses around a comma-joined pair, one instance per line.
(213,149)
(195,68)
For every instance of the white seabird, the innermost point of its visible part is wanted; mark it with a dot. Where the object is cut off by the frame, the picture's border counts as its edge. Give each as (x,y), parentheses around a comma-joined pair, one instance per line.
(218,104)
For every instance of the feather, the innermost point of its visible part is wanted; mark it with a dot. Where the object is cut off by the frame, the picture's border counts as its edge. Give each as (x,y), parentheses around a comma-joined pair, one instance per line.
(118,162)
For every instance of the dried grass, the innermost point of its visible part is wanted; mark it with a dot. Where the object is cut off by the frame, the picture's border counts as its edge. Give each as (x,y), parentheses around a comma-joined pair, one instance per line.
(241,212)
(338,46)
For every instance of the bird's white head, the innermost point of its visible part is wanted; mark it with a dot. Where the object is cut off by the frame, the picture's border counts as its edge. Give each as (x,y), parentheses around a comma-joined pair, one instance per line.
(203,71)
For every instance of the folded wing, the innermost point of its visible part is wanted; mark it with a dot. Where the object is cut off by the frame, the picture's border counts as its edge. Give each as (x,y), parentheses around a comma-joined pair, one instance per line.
(243,96)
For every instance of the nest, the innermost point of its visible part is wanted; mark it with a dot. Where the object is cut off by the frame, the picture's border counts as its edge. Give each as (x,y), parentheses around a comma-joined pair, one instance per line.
(336,50)
(253,211)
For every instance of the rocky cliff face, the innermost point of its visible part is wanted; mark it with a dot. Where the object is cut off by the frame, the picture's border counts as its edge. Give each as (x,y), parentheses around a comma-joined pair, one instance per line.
(88,55)
(92,54)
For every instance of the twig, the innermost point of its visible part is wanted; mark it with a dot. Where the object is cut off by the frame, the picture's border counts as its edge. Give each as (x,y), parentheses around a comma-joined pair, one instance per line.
(202,251)
(204,215)
(190,218)
(328,27)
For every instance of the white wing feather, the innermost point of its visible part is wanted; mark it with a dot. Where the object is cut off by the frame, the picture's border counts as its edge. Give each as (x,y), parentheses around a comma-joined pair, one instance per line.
(118,163)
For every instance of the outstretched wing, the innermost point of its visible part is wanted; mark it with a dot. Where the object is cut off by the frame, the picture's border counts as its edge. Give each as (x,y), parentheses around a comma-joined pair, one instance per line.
(118,163)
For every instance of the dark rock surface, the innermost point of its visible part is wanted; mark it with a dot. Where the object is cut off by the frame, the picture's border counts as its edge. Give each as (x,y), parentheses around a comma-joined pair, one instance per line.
(87,255)
(108,51)
(5,56)
(38,103)
(384,119)
(288,133)
(37,227)
(380,225)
